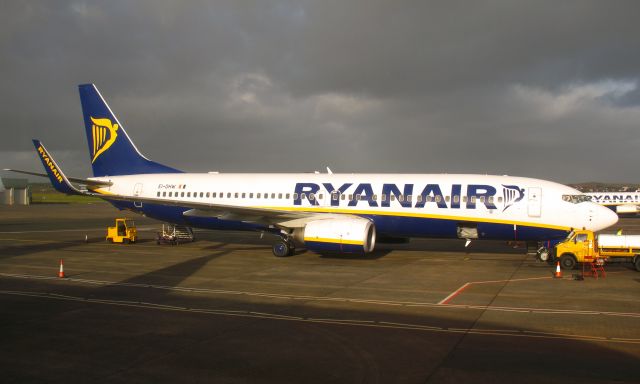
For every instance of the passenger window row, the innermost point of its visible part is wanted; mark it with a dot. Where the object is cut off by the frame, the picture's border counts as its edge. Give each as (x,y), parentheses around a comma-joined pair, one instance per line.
(334,196)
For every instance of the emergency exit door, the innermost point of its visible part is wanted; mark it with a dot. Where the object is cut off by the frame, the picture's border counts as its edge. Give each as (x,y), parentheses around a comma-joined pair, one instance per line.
(534,207)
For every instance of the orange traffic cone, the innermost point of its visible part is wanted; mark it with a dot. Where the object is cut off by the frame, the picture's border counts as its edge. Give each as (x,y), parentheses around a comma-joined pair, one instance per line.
(558,273)
(61,273)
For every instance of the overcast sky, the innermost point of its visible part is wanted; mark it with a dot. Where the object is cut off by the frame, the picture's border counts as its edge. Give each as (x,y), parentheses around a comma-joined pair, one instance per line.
(546,89)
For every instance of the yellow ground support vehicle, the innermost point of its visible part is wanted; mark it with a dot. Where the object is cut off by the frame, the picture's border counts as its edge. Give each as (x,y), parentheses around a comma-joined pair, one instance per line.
(582,244)
(124,232)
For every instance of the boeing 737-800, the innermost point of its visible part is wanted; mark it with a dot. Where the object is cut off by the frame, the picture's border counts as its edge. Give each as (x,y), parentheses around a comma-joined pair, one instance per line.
(322,212)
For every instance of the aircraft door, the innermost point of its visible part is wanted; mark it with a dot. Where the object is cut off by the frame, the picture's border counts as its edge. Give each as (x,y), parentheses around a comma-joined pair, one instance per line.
(534,207)
(137,191)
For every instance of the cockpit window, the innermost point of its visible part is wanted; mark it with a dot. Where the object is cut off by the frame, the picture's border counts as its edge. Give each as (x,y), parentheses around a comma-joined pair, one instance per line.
(576,199)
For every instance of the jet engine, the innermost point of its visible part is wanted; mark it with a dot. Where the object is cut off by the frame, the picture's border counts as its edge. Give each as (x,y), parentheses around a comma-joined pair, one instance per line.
(345,235)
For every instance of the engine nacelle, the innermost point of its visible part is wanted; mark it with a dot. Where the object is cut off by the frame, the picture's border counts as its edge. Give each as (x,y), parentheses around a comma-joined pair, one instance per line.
(627,208)
(345,235)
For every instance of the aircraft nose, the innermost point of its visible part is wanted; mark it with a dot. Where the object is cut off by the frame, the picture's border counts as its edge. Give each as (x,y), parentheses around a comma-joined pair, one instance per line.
(602,217)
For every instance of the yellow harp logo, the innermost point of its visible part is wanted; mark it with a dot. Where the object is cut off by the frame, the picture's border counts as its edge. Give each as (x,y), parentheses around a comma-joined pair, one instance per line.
(104,135)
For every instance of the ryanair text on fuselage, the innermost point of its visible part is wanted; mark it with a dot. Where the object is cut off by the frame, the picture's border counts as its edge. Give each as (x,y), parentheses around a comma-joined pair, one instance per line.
(363,192)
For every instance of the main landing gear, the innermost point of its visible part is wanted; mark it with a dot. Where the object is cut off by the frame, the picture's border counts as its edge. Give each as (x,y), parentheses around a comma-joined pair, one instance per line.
(283,248)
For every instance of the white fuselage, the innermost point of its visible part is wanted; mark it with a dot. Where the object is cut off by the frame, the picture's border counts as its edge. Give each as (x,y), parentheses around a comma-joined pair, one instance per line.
(400,204)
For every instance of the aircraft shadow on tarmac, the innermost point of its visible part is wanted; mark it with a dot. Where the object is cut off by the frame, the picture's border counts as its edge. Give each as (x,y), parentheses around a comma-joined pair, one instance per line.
(168,344)
(249,346)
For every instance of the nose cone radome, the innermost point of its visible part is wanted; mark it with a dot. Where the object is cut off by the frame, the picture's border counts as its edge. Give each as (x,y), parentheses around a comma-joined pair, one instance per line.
(603,218)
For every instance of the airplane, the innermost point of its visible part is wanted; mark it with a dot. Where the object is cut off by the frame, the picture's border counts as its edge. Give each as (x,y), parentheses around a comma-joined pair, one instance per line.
(620,202)
(332,212)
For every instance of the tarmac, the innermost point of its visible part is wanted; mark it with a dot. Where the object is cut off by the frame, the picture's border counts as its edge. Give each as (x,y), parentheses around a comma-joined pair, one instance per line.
(223,309)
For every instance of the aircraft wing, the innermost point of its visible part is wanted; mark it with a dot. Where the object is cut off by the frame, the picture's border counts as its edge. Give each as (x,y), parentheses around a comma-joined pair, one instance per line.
(87,182)
(260,215)
(269,216)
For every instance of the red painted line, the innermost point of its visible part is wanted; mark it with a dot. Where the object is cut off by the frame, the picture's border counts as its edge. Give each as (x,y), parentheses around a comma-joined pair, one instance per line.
(455,293)
(447,299)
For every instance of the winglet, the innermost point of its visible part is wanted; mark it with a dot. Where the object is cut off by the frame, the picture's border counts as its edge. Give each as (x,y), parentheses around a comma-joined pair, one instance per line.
(58,179)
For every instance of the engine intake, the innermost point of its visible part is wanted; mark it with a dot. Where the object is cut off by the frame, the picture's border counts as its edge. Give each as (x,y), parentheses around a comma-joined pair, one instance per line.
(627,208)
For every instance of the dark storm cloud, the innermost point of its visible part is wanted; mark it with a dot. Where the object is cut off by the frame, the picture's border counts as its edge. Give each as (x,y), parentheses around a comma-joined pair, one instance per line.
(544,89)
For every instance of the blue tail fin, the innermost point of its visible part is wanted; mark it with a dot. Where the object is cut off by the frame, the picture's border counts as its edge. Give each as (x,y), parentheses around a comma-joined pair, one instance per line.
(111,150)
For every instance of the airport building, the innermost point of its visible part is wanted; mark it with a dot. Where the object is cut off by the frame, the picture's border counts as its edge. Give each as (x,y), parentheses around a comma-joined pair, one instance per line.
(16,191)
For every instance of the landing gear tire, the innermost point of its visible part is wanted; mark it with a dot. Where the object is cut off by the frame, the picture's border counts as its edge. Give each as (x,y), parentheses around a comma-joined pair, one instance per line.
(544,254)
(568,261)
(282,249)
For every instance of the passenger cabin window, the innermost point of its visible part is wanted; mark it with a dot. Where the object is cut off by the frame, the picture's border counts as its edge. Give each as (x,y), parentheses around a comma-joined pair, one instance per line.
(279,195)
(158,193)
(243,195)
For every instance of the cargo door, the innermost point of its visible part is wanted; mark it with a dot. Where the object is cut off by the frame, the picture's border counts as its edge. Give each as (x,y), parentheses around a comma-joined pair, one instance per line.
(534,207)
(137,191)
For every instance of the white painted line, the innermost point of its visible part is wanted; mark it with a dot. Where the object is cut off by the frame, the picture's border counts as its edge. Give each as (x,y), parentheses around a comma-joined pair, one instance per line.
(346,322)
(437,306)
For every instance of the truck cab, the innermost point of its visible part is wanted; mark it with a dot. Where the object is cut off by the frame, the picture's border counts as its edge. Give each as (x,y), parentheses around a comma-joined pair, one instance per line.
(577,245)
